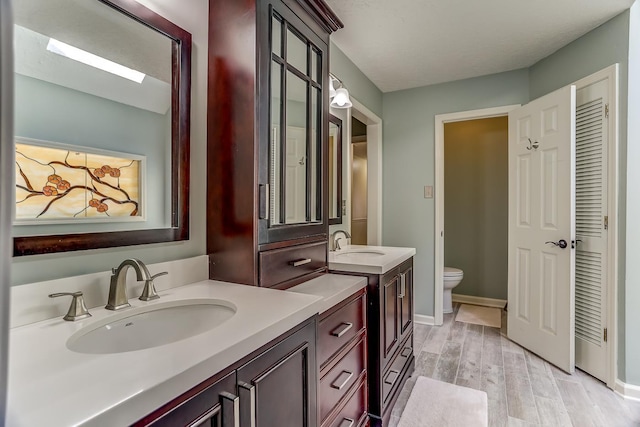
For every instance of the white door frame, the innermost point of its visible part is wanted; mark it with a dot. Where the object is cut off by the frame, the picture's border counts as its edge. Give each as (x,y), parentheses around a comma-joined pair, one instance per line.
(440,120)
(374,169)
(610,73)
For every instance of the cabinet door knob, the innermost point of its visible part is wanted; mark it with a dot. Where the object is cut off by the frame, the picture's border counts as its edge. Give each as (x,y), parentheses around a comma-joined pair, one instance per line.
(403,285)
(230,409)
(342,380)
(341,330)
(347,422)
(247,394)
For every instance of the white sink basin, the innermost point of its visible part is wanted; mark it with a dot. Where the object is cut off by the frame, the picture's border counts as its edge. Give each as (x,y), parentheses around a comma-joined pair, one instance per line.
(358,252)
(151,326)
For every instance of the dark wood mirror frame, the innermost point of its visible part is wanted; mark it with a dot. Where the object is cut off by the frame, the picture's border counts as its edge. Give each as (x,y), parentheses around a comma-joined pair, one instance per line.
(338,147)
(180,128)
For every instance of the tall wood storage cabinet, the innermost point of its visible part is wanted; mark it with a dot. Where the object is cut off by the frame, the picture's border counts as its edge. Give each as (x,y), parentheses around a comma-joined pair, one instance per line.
(268,103)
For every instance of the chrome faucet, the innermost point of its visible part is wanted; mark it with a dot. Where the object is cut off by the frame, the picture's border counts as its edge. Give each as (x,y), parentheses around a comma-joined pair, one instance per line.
(336,240)
(118,287)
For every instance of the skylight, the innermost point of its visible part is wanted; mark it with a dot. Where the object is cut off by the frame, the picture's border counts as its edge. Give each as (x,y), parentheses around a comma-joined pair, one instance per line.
(71,52)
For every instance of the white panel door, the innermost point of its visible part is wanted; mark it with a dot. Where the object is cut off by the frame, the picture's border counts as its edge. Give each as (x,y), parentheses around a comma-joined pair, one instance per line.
(591,229)
(296,175)
(541,227)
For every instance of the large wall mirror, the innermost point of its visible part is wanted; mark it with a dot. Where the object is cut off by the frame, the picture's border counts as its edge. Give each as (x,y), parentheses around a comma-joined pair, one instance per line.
(335,170)
(102,117)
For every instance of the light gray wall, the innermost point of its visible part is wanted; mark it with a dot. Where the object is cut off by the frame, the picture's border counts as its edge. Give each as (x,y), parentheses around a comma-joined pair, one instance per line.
(476,205)
(54,113)
(359,86)
(408,160)
(598,49)
(192,15)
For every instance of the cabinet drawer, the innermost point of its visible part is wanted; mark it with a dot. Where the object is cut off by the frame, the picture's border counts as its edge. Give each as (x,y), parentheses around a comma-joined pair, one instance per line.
(354,410)
(396,369)
(335,384)
(281,265)
(337,329)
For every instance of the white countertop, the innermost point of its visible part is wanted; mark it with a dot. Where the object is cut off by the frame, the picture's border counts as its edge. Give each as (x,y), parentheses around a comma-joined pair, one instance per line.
(52,385)
(353,258)
(332,287)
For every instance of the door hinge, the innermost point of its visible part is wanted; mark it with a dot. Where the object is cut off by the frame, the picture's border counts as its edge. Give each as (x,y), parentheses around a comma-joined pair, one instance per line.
(606,222)
(606,110)
(605,334)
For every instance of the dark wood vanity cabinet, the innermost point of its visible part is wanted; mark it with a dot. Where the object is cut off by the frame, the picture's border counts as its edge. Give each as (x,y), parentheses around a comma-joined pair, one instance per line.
(390,335)
(273,387)
(268,104)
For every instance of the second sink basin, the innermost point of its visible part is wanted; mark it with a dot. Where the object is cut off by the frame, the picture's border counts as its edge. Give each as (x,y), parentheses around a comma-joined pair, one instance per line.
(151,326)
(360,252)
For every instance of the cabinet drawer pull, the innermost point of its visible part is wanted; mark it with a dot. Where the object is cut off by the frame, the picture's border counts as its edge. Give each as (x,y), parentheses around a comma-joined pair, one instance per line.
(300,262)
(263,209)
(342,380)
(392,373)
(347,422)
(406,352)
(337,332)
(247,394)
(403,283)
(206,417)
(230,409)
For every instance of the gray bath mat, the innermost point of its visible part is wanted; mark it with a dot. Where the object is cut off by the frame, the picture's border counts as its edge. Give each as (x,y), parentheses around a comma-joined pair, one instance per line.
(438,404)
(479,315)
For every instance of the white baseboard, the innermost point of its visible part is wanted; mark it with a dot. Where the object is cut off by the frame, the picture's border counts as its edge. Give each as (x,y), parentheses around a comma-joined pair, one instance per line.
(487,302)
(424,320)
(627,391)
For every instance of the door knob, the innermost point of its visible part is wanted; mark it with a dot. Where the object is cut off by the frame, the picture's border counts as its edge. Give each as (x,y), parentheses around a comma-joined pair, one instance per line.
(560,243)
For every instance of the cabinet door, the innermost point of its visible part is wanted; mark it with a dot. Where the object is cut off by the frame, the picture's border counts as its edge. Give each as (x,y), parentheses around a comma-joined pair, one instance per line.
(293,126)
(214,406)
(390,311)
(405,296)
(278,388)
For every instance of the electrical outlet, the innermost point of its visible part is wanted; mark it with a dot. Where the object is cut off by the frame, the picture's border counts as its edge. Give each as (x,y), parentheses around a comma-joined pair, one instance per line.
(428,191)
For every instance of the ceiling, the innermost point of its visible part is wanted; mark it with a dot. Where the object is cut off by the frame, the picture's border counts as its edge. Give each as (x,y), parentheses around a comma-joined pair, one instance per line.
(402,44)
(102,30)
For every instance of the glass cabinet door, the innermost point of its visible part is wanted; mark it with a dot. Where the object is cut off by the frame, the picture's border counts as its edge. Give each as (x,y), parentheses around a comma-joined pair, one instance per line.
(294,177)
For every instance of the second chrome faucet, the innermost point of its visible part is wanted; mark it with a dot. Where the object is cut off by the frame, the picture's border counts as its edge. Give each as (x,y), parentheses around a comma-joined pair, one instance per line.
(118,287)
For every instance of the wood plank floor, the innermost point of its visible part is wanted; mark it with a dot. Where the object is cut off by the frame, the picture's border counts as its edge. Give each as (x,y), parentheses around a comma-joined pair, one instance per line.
(522,389)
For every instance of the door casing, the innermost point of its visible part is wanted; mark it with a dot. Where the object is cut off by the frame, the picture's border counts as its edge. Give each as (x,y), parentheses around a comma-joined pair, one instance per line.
(611,73)
(440,121)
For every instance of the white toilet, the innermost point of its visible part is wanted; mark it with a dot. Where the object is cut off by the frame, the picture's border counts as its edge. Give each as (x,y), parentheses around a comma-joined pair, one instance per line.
(451,278)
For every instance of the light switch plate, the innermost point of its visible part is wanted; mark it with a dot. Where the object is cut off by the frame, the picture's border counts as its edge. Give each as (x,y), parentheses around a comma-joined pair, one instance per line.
(428,191)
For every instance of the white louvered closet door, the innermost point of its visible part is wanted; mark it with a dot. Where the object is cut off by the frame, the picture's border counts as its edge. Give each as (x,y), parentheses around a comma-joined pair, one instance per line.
(591,229)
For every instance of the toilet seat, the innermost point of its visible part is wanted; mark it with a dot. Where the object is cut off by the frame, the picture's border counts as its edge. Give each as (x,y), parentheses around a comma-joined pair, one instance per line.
(452,272)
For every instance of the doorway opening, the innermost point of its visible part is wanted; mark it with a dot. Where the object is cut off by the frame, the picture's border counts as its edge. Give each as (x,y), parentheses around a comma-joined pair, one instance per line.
(359,186)
(369,231)
(439,191)
(476,209)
